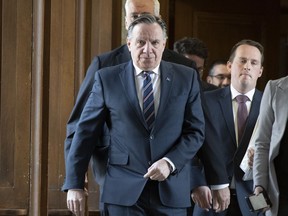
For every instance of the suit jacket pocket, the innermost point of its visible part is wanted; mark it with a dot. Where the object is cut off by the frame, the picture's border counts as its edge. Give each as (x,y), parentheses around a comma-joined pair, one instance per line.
(118,158)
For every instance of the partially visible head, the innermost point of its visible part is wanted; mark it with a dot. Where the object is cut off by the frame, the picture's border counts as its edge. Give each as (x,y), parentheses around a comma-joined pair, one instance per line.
(246,65)
(218,74)
(146,41)
(134,8)
(194,49)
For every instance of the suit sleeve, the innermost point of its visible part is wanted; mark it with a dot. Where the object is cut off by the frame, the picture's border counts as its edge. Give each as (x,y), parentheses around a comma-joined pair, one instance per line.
(210,155)
(82,97)
(197,173)
(263,138)
(88,130)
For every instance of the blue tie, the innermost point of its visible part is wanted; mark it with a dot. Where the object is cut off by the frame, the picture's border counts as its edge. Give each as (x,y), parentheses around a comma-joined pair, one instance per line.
(148,100)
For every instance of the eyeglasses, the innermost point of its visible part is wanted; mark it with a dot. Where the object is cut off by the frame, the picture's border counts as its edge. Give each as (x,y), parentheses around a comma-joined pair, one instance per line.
(221,77)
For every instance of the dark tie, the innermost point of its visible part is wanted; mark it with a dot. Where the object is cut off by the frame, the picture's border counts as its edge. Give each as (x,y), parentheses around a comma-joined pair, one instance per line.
(148,99)
(242,114)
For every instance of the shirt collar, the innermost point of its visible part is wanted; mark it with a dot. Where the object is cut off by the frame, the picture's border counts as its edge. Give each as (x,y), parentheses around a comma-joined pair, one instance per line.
(138,71)
(235,93)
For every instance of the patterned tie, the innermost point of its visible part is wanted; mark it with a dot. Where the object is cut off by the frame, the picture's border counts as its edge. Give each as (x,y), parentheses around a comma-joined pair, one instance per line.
(242,114)
(148,99)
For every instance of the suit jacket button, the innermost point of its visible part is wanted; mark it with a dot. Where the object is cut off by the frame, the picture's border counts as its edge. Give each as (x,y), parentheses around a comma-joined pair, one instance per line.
(149,163)
(151,137)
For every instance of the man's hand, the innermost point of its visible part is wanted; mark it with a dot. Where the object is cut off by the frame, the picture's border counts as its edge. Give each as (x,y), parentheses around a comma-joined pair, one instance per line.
(221,199)
(250,157)
(76,201)
(257,190)
(158,171)
(202,197)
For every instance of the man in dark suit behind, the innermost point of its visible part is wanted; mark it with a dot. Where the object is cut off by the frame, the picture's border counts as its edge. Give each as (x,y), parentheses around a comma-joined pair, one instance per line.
(148,159)
(225,140)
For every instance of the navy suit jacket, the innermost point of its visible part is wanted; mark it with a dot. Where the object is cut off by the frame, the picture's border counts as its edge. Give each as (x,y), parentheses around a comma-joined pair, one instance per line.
(178,134)
(220,142)
(112,58)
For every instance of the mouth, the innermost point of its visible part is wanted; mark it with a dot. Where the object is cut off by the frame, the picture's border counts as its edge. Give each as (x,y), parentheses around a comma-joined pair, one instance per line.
(246,75)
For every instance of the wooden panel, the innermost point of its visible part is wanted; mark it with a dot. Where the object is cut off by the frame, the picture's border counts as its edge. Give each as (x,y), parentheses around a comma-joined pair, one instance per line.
(77,34)
(101,26)
(16,34)
(61,93)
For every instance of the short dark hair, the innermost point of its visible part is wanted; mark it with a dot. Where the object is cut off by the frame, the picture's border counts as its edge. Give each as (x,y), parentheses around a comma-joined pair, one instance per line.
(215,63)
(147,19)
(191,46)
(250,43)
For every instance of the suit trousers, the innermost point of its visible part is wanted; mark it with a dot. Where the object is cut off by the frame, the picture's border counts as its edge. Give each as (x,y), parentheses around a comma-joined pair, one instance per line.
(148,204)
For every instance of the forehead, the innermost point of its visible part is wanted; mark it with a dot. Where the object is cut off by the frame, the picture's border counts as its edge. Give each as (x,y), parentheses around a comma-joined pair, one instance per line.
(248,51)
(220,68)
(136,7)
(151,31)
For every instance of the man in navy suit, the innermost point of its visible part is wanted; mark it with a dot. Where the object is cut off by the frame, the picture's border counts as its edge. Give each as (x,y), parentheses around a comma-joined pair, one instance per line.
(222,140)
(148,170)
(133,9)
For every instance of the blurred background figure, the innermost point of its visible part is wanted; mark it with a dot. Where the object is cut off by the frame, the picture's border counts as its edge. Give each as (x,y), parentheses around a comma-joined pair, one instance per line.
(197,51)
(194,49)
(218,74)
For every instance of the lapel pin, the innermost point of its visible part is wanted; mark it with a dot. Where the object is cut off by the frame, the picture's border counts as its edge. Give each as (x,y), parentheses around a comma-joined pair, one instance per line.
(168,79)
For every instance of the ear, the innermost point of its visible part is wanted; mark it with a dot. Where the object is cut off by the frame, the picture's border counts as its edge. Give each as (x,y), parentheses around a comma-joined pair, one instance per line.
(229,65)
(209,79)
(164,44)
(128,42)
(261,71)
(126,23)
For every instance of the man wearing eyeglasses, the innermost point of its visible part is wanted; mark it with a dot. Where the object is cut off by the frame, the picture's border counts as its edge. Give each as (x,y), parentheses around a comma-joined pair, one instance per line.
(219,74)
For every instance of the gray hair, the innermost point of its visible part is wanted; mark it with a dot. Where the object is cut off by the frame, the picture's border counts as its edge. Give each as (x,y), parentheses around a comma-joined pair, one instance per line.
(147,19)
(156,6)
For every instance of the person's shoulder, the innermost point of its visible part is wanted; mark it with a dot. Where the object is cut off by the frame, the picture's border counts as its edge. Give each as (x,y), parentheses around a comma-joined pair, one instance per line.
(217,93)
(114,57)
(207,86)
(172,56)
(114,68)
(181,69)
(119,50)
(281,82)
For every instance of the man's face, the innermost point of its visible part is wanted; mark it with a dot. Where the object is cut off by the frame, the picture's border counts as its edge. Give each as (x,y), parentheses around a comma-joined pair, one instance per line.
(146,44)
(246,68)
(136,8)
(221,76)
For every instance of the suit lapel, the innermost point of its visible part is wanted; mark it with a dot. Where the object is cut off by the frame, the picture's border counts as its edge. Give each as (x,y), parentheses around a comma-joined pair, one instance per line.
(249,127)
(128,83)
(166,85)
(227,112)
(252,117)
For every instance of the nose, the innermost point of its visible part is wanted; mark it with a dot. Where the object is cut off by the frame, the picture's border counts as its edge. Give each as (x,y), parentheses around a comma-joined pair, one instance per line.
(247,65)
(147,48)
